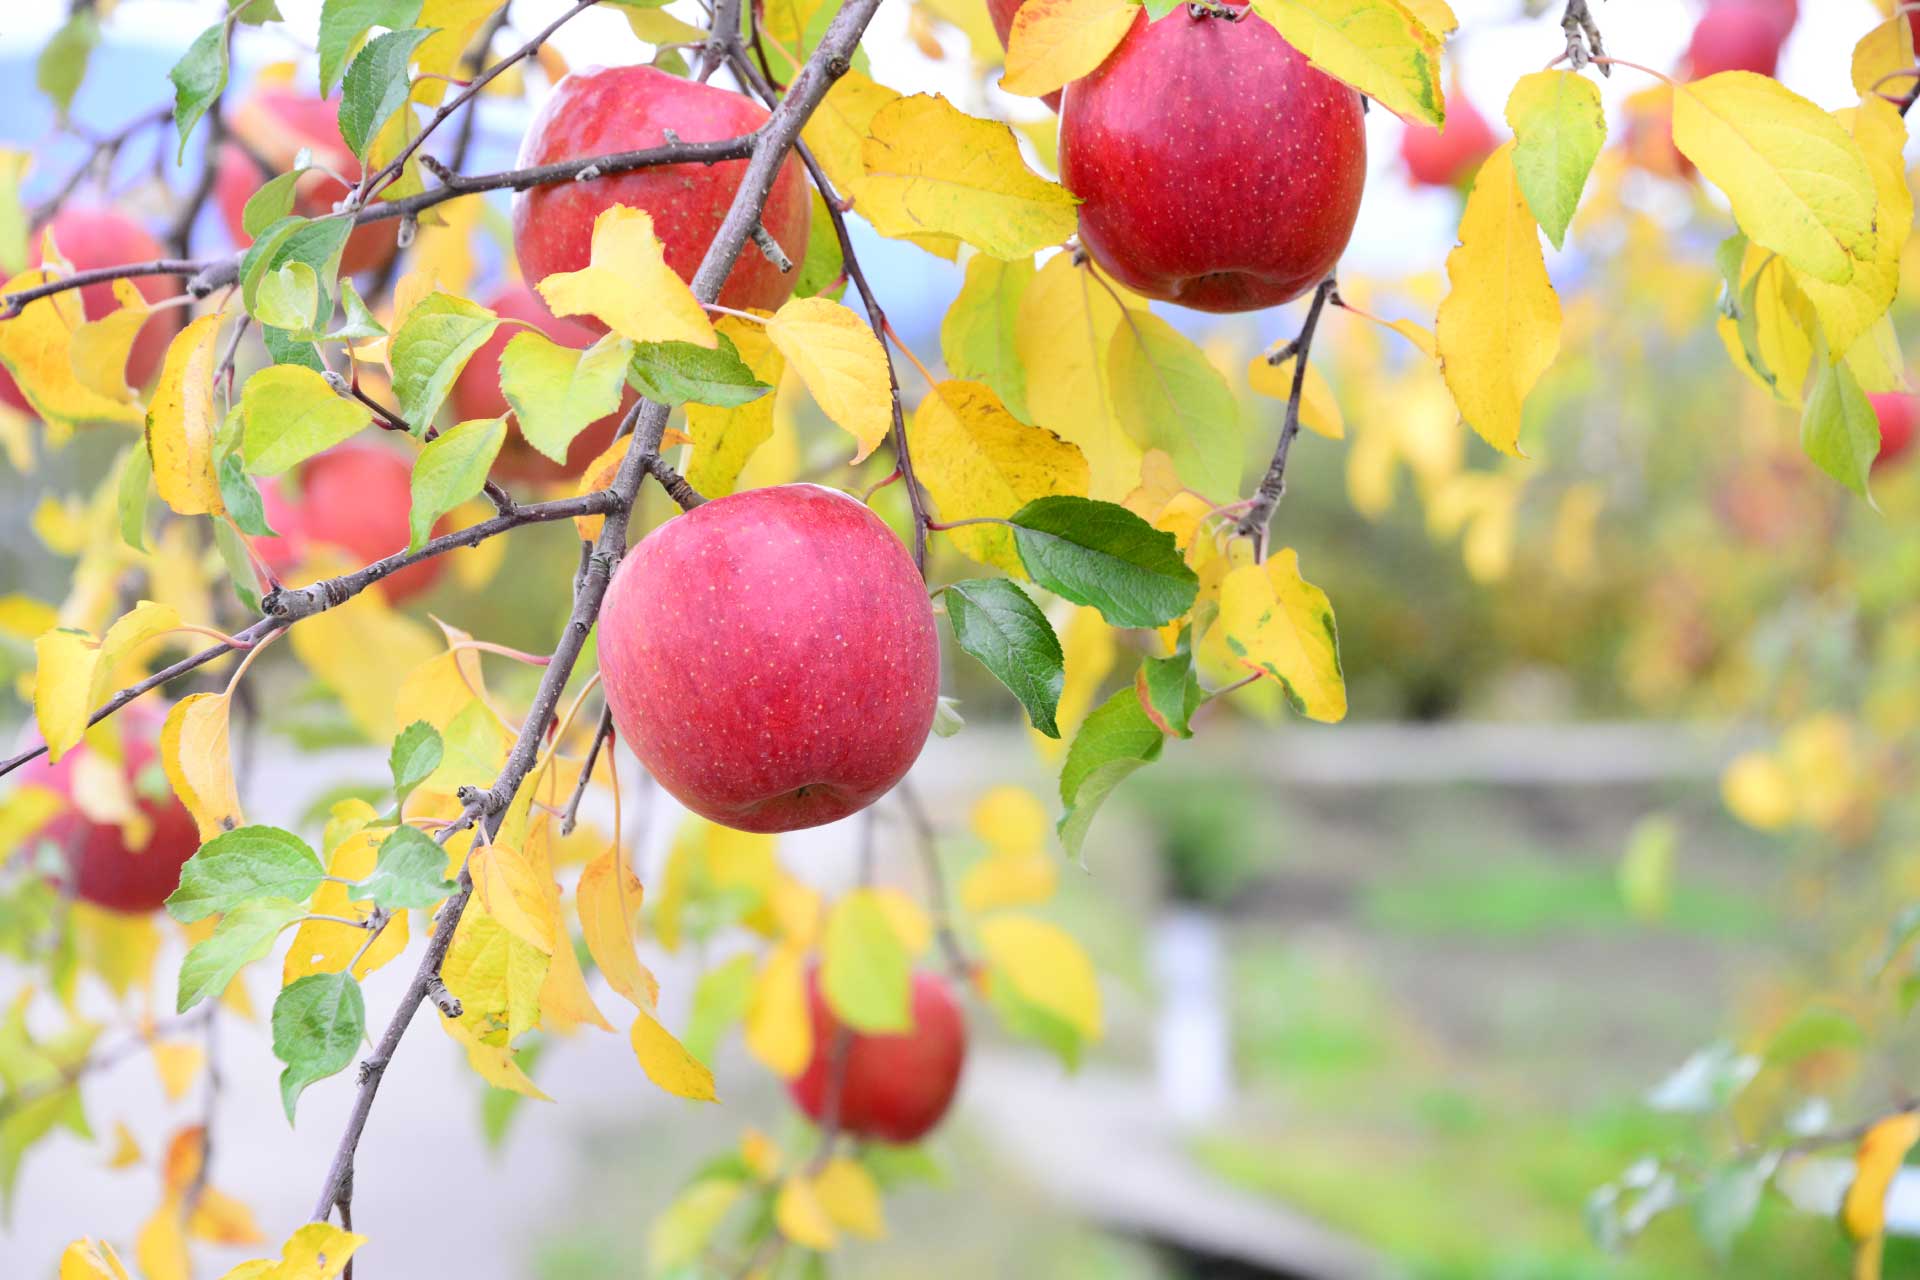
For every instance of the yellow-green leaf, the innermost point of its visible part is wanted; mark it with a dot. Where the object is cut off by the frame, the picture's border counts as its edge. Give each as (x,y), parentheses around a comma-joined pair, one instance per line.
(866,974)
(977,335)
(851,1198)
(1377,46)
(725,438)
(930,167)
(778,1027)
(1498,329)
(837,132)
(290,414)
(798,1213)
(1055,41)
(842,363)
(180,423)
(1063,333)
(1046,966)
(628,286)
(1278,623)
(1847,311)
(1796,179)
(1558,128)
(1170,397)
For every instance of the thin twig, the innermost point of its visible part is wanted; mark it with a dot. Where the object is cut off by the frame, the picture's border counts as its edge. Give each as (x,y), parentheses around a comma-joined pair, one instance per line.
(570,816)
(1254,523)
(940,905)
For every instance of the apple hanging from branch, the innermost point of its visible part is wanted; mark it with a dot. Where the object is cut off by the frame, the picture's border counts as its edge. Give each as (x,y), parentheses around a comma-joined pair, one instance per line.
(893,1088)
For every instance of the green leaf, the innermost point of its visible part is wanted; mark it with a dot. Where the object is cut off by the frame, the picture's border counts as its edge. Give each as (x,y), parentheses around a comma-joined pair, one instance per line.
(865,971)
(1169,396)
(557,392)
(1026,1020)
(416,753)
(977,336)
(1169,692)
(1116,739)
(1839,429)
(452,468)
(997,623)
(410,871)
(343,22)
(291,415)
(318,1023)
(1558,128)
(359,322)
(241,498)
(242,865)
(287,298)
(198,78)
(317,242)
(1101,554)
(136,481)
(673,373)
(238,564)
(1815,1029)
(720,999)
(1158,9)
(377,85)
(243,935)
(63,63)
(440,335)
(284,348)
(822,265)
(274,200)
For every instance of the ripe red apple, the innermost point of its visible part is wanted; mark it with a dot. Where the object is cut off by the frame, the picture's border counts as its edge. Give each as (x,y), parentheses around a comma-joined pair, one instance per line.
(91,237)
(1002,13)
(1217,169)
(355,498)
(1451,156)
(1898,416)
(476,392)
(770,656)
(895,1088)
(1736,37)
(603,110)
(273,123)
(105,871)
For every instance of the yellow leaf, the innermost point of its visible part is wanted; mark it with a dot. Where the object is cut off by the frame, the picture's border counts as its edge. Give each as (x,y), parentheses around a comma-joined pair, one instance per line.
(218,1218)
(178,1064)
(1056,41)
(1063,333)
(1046,966)
(1010,819)
(724,439)
(931,167)
(909,919)
(37,348)
(1847,311)
(598,475)
(126,1148)
(1882,1151)
(607,898)
(91,1259)
(851,1198)
(73,673)
(778,1027)
(1090,649)
(180,423)
(495,1063)
(1796,180)
(161,1247)
(1499,327)
(842,363)
(507,889)
(667,1062)
(800,1216)
(1882,52)
(1377,46)
(1319,410)
(317,1251)
(195,752)
(101,347)
(837,132)
(496,975)
(679,1236)
(325,946)
(1278,623)
(363,650)
(1783,323)
(976,459)
(1757,790)
(1434,15)
(28,809)
(628,286)
(1009,880)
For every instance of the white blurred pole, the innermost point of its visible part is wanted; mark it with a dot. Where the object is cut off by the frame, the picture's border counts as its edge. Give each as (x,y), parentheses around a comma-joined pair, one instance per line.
(1193,1049)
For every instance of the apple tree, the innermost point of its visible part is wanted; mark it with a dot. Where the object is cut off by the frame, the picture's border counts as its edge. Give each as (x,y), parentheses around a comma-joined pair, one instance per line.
(326,409)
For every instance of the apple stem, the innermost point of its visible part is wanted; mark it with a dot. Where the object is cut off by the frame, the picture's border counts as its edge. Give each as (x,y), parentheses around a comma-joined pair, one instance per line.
(1267,497)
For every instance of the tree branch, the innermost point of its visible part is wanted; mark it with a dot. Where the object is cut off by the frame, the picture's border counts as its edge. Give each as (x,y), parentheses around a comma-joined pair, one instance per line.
(1260,514)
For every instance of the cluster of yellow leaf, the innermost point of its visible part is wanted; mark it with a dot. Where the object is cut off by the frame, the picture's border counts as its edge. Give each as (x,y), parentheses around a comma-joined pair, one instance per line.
(187,1212)
(69,379)
(1819,777)
(815,1203)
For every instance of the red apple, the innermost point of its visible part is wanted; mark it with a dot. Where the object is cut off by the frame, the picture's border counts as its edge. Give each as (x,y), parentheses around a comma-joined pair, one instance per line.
(771,657)
(1736,37)
(1217,169)
(476,392)
(1002,13)
(603,110)
(1451,156)
(353,498)
(274,122)
(92,237)
(105,871)
(1898,416)
(894,1088)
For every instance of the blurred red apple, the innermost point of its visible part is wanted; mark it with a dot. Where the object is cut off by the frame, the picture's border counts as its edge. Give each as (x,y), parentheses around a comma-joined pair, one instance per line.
(770,656)
(894,1088)
(603,110)
(1451,156)
(1898,416)
(1002,13)
(352,498)
(1217,169)
(1648,138)
(104,869)
(274,122)
(1736,37)
(476,392)
(90,238)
